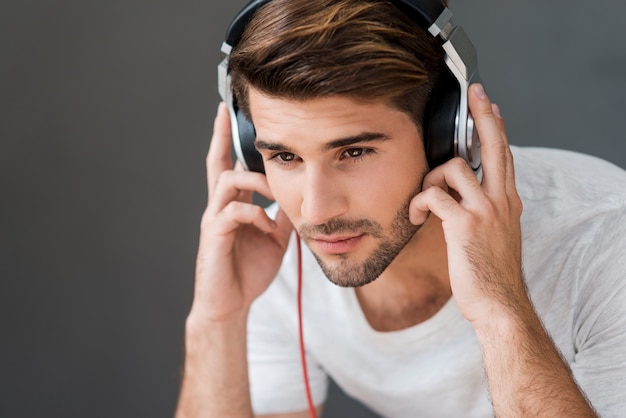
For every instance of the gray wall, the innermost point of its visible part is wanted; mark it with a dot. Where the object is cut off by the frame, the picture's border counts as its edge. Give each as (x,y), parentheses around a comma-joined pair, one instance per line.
(105,114)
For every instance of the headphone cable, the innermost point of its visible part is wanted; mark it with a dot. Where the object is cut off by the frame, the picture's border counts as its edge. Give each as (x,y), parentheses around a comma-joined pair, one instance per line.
(305,374)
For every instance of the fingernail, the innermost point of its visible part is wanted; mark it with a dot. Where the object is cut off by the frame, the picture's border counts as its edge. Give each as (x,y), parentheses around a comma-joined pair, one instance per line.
(479,91)
(496,110)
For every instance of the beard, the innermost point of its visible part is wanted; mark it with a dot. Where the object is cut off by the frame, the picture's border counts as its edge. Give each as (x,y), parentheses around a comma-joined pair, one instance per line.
(347,273)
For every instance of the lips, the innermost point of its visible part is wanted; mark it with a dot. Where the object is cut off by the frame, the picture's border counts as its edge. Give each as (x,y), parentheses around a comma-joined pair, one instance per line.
(336,244)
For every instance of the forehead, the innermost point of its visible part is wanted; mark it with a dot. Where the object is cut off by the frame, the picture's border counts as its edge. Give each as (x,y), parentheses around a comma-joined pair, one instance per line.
(324,118)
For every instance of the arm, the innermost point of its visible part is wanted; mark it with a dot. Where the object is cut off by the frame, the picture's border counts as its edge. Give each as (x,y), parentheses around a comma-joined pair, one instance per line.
(481,223)
(216,369)
(215,379)
(240,252)
(526,373)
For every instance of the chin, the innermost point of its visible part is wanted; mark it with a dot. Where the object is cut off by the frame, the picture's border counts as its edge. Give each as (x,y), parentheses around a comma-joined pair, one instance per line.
(348,271)
(345,272)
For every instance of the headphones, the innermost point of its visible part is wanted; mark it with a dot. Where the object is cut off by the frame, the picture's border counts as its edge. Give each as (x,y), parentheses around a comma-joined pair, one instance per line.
(448,125)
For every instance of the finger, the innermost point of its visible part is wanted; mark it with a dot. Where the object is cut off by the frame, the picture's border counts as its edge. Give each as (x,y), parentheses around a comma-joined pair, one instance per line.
(493,145)
(510,165)
(237,213)
(456,174)
(495,109)
(283,230)
(219,156)
(244,195)
(237,185)
(435,200)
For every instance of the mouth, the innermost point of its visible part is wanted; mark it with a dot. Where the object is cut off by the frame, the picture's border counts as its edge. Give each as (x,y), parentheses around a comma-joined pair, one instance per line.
(336,245)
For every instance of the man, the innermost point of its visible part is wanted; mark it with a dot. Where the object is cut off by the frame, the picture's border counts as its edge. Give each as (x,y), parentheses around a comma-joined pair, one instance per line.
(414,296)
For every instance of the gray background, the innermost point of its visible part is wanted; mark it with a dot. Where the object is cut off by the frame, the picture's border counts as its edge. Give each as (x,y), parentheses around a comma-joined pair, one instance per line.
(105,114)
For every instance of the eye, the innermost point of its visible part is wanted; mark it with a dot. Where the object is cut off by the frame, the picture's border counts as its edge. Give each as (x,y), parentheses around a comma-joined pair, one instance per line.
(356,153)
(283,157)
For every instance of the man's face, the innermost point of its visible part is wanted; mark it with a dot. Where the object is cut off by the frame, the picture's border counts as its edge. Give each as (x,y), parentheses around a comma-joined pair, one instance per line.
(344,172)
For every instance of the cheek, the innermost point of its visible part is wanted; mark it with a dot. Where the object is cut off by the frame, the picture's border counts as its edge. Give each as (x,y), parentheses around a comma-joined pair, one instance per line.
(286,194)
(394,181)
(379,194)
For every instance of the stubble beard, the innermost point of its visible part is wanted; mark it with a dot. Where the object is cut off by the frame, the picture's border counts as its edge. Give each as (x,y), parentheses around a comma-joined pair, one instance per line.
(348,273)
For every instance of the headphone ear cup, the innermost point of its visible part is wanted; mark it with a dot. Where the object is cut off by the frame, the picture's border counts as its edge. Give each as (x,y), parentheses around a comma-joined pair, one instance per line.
(440,120)
(247,134)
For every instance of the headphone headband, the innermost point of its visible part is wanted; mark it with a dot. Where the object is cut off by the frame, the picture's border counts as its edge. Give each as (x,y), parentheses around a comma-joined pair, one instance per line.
(424,12)
(239,23)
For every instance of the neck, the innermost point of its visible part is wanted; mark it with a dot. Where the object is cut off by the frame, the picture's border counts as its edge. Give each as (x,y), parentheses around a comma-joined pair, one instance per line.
(414,287)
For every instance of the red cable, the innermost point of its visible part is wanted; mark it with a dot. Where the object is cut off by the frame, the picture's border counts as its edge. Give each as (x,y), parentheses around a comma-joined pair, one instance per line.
(302,354)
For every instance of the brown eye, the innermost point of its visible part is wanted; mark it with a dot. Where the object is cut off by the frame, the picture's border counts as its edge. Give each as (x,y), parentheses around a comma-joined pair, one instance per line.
(355,152)
(285,157)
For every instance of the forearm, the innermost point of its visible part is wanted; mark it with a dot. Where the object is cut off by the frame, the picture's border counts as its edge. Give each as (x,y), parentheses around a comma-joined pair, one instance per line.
(215,380)
(526,374)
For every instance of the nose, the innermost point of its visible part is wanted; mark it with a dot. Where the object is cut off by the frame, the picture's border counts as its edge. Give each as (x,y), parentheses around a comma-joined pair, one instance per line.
(323,197)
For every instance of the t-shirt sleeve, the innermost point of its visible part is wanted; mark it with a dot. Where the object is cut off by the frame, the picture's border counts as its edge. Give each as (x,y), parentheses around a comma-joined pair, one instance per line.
(274,364)
(600,341)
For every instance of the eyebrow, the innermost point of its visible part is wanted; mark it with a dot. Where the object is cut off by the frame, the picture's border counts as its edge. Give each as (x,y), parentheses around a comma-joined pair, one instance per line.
(337,143)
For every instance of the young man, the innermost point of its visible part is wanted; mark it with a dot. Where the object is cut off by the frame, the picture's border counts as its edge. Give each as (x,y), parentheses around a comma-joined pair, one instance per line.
(414,296)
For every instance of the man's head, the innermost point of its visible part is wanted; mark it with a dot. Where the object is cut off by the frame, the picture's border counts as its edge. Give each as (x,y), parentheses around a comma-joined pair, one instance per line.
(363,49)
(337,90)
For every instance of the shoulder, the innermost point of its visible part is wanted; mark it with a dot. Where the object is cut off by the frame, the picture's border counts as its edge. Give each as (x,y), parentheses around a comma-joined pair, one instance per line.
(567,195)
(573,229)
(571,200)
(546,174)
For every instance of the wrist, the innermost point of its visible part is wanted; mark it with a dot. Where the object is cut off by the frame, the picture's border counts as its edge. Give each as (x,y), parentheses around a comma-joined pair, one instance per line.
(200,319)
(202,330)
(216,313)
(505,322)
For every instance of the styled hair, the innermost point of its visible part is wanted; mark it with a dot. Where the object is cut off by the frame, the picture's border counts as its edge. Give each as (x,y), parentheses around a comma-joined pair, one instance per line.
(366,50)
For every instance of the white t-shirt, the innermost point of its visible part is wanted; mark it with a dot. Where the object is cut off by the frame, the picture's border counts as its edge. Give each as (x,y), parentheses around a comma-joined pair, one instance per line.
(574,258)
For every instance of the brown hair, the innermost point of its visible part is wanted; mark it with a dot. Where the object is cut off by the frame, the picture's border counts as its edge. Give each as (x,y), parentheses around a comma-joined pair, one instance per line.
(363,49)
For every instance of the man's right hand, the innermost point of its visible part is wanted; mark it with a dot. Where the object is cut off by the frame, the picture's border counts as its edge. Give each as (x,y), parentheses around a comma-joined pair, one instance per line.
(241,247)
